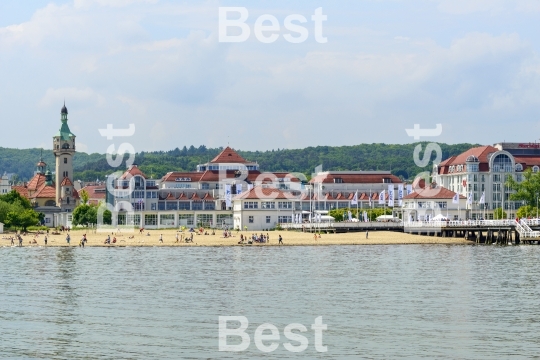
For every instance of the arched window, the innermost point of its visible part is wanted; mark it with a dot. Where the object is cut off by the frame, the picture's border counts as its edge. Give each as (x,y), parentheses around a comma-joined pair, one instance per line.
(65,146)
(502,163)
(519,167)
(535,169)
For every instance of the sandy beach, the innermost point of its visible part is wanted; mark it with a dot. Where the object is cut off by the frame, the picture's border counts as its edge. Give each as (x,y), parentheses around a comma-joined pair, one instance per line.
(290,238)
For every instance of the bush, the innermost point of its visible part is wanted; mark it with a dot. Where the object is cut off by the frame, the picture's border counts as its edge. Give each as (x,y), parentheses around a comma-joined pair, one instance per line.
(37,228)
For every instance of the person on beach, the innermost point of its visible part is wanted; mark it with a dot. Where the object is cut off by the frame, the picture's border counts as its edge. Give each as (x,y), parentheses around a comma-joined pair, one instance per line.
(176,237)
(161,238)
(68,238)
(12,241)
(367,233)
(280,240)
(81,243)
(45,239)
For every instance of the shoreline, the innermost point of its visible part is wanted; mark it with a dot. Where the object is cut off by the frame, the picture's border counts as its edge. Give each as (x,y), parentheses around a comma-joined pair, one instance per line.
(290,238)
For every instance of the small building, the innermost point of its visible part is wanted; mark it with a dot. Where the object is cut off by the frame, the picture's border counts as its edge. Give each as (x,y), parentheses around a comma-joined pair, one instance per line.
(426,203)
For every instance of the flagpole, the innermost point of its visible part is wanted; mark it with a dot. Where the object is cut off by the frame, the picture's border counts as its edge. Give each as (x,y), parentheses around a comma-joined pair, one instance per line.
(358,216)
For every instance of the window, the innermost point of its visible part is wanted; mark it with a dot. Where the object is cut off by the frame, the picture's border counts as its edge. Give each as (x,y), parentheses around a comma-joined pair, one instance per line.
(183,205)
(250,219)
(150,219)
(285,204)
(268,219)
(496,187)
(205,219)
(47,220)
(441,204)
(338,180)
(166,219)
(268,205)
(535,169)
(519,167)
(65,160)
(209,205)
(153,206)
(497,177)
(205,186)
(185,219)
(172,205)
(251,205)
(224,220)
(197,205)
(285,219)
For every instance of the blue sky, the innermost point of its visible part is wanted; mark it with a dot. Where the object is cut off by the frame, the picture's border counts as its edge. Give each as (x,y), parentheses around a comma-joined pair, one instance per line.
(473,66)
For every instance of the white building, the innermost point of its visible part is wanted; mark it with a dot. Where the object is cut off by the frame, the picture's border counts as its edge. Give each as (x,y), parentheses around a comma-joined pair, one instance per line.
(5,187)
(426,203)
(484,170)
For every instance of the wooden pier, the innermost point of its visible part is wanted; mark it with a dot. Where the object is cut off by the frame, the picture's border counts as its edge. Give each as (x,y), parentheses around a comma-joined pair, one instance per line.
(500,232)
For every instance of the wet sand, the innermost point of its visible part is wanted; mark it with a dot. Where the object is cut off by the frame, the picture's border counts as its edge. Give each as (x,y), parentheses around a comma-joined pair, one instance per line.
(290,238)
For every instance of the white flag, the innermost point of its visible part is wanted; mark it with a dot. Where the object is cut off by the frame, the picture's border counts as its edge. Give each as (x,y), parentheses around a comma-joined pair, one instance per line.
(310,217)
(400,194)
(238,189)
(350,216)
(455,199)
(469,199)
(365,216)
(381,198)
(482,198)
(250,186)
(409,189)
(369,198)
(354,200)
(228,195)
(391,195)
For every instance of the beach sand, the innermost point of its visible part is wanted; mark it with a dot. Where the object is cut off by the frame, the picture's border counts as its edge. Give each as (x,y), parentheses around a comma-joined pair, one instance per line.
(290,238)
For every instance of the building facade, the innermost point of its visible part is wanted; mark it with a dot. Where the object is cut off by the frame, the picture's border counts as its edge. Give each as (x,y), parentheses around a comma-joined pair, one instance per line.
(484,171)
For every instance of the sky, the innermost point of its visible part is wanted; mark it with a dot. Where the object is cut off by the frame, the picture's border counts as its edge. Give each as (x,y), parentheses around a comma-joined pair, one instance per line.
(471,65)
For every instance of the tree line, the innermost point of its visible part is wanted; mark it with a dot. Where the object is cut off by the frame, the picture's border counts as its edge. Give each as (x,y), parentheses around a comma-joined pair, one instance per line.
(397,158)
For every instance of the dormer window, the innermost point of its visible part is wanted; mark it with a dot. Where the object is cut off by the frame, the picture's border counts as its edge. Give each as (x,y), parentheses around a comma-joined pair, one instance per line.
(535,169)
(338,181)
(519,167)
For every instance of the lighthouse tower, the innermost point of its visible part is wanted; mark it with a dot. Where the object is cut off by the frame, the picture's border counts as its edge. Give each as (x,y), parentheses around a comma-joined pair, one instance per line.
(64,149)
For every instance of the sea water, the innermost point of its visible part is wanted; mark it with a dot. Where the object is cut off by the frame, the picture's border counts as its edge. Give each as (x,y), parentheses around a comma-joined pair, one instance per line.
(381,302)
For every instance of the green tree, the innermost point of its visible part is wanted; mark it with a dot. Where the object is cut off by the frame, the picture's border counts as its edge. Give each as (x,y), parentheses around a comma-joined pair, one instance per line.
(527,190)
(527,211)
(84,196)
(84,214)
(13,197)
(499,214)
(22,219)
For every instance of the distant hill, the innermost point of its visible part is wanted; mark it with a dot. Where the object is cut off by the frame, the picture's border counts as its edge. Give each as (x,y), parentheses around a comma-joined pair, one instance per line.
(396,158)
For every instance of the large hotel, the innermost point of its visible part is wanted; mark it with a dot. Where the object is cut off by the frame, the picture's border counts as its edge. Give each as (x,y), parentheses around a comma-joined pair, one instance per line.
(230,191)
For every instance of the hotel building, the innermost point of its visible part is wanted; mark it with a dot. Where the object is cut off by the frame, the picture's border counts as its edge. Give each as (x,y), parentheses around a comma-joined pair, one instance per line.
(484,170)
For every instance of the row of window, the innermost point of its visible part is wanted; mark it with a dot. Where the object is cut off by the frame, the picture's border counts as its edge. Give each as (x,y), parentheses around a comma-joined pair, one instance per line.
(268,219)
(268,205)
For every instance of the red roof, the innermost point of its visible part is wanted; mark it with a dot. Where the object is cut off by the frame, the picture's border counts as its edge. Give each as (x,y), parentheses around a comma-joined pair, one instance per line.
(22,190)
(66,182)
(355,178)
(182,197)
(36,182)
(433,193)
(95,192)
(208,197)
(480,152)
(259,192)
(228,155)
(195,197)
(132,171)
(46,191)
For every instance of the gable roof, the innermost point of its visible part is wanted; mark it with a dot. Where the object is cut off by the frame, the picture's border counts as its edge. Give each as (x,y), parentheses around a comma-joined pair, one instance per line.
(66,182)
(228,155)
(259,192)
(133,170)
(432,193)
(46,191)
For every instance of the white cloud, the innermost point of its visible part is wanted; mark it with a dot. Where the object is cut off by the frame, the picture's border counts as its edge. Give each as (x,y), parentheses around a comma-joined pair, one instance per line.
(85,95)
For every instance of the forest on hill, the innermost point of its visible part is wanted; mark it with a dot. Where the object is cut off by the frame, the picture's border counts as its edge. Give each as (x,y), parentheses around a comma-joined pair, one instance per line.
(397,158)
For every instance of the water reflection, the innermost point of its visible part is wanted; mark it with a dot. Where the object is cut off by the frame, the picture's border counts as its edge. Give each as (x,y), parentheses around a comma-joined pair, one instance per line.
(378,301)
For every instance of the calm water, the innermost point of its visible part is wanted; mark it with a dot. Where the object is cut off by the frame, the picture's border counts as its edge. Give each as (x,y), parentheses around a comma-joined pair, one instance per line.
(378,301)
